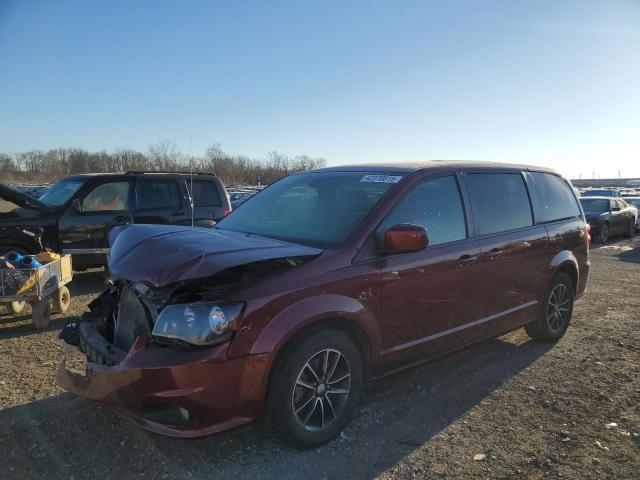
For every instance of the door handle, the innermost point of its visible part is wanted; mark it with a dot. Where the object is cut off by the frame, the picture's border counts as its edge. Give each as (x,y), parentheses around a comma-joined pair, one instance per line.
(176,213)
(121,218)
(495,252)
(466,259)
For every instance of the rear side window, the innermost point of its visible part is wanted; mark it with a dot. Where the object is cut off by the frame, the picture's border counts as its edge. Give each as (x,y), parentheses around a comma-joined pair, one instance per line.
(157,194)
(500,202)
(205,193)
(553,198)
(435,205)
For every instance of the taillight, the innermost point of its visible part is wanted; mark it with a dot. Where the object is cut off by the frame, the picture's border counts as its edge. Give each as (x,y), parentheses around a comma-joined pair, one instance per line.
(227,211)
(589,233)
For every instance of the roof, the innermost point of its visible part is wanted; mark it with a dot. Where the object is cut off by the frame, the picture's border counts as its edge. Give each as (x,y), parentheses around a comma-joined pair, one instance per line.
(597,197)
(139,172)
(406,167)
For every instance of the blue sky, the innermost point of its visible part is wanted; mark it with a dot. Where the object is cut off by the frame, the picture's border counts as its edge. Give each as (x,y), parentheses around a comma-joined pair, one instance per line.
(555,83)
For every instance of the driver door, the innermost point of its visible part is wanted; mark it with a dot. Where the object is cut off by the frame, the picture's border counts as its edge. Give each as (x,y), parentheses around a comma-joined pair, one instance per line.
(85,225)
(425,294)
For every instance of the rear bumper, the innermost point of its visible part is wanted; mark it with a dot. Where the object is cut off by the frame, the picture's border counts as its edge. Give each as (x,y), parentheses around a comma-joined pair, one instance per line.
(174,393)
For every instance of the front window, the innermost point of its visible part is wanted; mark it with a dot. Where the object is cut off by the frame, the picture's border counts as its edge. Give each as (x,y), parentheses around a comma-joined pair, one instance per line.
(435,205)
(108,197)
(61,192)
(320,209)
(595,205)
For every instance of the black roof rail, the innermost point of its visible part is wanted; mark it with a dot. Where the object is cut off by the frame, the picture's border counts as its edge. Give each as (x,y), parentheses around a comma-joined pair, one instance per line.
(167,171)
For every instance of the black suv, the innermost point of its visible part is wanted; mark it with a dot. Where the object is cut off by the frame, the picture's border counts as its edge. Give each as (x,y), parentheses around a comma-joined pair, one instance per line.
(77,213)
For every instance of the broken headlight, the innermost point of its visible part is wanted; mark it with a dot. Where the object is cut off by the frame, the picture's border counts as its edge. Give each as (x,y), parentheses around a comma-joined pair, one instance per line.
(201,323)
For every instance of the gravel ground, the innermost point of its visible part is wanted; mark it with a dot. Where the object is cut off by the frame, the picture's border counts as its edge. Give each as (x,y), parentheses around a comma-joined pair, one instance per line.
(521,408)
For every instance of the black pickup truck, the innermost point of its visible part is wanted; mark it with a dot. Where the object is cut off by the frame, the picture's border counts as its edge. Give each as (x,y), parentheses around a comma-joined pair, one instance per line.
(77,213)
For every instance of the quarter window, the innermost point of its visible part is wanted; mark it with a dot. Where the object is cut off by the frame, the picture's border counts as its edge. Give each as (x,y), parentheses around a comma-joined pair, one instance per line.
(435,205)
(500,202)
(205,193)
(553,198)
(157,194)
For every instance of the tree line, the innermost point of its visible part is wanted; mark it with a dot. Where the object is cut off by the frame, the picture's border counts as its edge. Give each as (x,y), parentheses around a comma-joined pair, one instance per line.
(37,166)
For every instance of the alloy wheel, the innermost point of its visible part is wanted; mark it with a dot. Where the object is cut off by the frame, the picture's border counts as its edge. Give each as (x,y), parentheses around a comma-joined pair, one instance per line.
(558,309)
(321,390)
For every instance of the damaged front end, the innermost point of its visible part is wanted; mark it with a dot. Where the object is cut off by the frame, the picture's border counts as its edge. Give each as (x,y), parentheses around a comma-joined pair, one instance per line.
(159,353)
(187,315)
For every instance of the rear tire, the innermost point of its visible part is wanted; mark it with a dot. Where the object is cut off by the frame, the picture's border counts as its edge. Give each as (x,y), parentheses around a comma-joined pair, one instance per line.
(555,313)
(632,228)
(41,314)
(603,236)
(314,388)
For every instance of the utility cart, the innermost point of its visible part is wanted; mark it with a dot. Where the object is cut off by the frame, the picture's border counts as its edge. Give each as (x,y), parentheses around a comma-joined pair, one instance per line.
(43,287)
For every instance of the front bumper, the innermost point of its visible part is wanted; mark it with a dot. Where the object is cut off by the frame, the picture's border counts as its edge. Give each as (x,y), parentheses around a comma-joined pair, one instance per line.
(176,393)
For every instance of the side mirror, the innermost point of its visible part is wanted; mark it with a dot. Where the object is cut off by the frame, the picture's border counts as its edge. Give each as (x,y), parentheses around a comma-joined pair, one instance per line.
(615,208)
(76,205)
(404,238)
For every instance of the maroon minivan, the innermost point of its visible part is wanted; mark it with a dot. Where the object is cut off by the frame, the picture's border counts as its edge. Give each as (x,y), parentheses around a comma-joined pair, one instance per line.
(320,281)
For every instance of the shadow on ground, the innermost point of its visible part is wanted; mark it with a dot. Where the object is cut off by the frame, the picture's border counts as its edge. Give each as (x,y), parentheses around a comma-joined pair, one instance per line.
(65,436)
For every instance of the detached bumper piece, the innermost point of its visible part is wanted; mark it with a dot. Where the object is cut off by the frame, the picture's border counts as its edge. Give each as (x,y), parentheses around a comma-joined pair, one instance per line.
(89,338)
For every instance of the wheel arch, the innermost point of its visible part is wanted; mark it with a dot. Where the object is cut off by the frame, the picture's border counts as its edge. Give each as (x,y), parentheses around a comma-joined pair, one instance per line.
(324,311)
(12,244)
(566,262)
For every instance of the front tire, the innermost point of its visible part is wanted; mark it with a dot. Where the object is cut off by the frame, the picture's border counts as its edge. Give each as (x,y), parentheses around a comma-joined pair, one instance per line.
(555,315)
(61,300)
(16,307)
(315,388)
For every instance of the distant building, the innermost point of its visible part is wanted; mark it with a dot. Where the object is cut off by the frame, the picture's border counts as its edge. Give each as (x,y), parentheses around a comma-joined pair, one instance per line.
(606,182)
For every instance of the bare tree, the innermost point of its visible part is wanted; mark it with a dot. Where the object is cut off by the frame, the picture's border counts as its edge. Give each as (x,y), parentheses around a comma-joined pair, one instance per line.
(39,166)
(163,155)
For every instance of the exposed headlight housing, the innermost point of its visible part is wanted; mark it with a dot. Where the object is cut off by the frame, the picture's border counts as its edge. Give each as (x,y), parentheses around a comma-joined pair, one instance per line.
(200,323)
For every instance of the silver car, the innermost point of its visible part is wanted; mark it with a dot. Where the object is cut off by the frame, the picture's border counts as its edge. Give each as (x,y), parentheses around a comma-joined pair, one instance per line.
(634,202)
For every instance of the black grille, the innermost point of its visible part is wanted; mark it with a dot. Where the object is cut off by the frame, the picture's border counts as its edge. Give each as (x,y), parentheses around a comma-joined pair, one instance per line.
(131,320)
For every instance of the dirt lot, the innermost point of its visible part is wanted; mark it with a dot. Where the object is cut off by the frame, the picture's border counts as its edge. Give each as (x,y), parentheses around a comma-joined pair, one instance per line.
(533,410)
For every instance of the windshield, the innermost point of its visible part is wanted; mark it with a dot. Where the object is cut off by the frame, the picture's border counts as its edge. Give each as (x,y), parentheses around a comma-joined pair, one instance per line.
(319,209)
(61,192)
(633,201)
(595,205)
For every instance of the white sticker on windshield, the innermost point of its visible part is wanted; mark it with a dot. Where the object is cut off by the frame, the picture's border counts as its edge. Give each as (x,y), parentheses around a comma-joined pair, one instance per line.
(381,178)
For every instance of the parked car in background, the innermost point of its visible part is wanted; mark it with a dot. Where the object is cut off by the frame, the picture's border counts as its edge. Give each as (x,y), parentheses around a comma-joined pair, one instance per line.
(238,198)
(634,202)
(77,213)
(601,193)
(629,193)
(322,280)
(608,217)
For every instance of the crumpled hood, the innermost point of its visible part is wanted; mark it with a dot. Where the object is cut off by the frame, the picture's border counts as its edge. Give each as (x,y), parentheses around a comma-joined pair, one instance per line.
(164,254)
(22,199)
